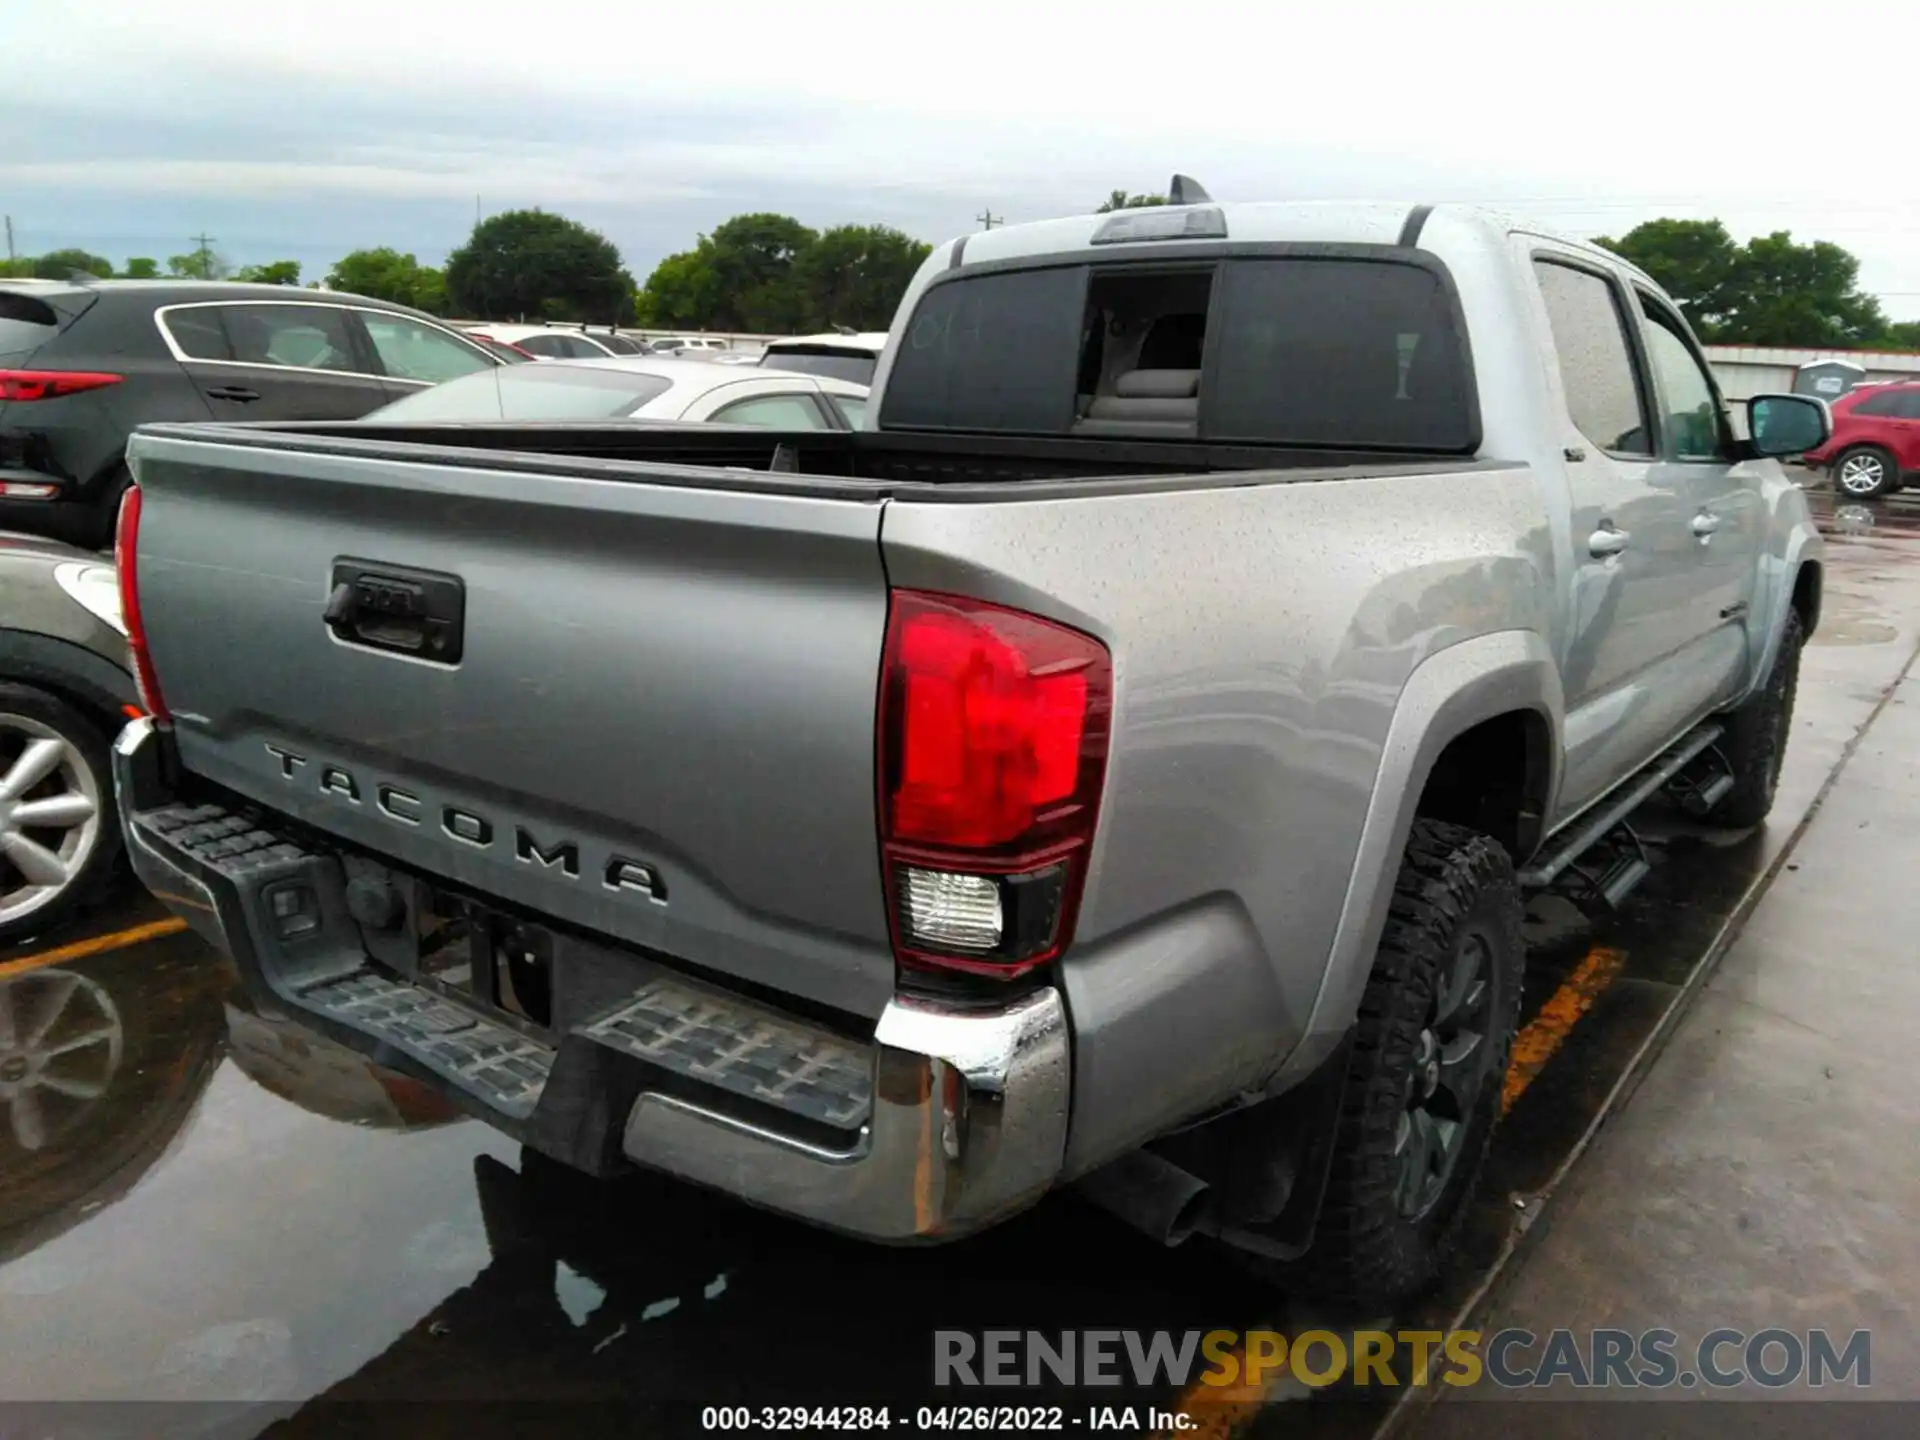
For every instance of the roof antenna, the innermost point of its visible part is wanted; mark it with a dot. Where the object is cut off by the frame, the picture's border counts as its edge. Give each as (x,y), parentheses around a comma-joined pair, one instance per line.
(1185,190)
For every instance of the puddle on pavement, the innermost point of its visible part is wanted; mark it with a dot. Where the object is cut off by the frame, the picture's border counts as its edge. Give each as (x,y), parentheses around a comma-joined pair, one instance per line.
(644,1292)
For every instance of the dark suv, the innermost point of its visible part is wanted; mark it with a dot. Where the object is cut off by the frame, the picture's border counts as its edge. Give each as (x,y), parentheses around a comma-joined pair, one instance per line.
(82,364)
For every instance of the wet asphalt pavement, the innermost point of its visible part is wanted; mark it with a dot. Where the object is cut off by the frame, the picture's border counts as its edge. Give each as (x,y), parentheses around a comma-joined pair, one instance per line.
(211,1209)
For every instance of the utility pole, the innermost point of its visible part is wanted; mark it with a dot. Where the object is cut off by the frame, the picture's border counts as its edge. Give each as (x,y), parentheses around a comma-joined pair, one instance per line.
(988,219)
(476,212)
(204,254)
(10,255)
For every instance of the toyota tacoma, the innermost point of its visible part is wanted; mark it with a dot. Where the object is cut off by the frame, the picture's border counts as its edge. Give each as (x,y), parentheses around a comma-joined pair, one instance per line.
(1121,765)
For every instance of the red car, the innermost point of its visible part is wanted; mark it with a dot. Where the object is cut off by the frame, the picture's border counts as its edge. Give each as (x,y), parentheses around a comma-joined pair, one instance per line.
(1876,440)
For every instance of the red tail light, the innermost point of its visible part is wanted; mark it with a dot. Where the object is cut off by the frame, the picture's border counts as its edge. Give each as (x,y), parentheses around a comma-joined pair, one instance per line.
(51,384)
(992,750)
(126,561)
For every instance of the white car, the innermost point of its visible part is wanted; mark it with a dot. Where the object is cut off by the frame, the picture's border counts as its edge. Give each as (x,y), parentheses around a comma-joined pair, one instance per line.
(844,354)
(559,342)
(694,346)
(648,387)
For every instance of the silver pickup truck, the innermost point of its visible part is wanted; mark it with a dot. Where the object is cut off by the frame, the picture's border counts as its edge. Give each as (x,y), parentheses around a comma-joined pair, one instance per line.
(1121,764)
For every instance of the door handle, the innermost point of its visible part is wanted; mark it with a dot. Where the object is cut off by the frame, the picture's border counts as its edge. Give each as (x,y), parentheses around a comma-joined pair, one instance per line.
(1704,524)
(1607,541)
(233,392)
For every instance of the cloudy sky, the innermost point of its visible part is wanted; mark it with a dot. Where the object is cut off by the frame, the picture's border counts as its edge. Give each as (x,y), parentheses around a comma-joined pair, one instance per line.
(305,130)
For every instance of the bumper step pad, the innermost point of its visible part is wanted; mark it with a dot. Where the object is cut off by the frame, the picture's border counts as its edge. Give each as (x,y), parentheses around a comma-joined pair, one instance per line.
(499,1065)
(722,1041)
(699,1034)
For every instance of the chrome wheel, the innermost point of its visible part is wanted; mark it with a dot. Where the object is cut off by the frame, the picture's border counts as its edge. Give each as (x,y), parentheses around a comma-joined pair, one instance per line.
(1445,1079)
(60,1041)
(49,816)
(1863,473)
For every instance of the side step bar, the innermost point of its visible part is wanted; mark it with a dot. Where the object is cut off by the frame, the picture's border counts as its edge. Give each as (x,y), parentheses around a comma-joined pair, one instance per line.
(1614,811)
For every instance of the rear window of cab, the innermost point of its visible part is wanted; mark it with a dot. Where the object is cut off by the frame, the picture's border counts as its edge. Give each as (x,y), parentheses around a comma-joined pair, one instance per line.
(1308,351)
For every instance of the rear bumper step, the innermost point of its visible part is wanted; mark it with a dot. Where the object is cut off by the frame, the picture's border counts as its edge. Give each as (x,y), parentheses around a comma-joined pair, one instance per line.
(941,1123)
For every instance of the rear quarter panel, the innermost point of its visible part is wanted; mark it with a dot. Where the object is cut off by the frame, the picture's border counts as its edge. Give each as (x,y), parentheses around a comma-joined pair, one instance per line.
(1262,635)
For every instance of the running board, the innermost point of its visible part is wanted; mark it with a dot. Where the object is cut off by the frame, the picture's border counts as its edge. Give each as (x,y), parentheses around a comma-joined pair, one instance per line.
(1602,822)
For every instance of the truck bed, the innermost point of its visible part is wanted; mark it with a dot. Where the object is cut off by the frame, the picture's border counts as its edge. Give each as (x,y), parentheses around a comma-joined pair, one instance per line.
(869,464)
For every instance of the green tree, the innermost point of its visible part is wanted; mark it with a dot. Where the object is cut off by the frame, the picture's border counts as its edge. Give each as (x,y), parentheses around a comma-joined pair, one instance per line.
(741,277)
(1121,200)
(855,275)
(1769,291)
(1693,260)
(18,268)
(274,272)
(528,263)
(140,267)
(1904,334)
(387,274)
(199,264)
(59,264)
(1788,294)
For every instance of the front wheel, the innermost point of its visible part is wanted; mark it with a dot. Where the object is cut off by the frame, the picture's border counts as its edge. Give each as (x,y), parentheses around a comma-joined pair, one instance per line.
(1755,738)
(1434,1037)
(1866,472)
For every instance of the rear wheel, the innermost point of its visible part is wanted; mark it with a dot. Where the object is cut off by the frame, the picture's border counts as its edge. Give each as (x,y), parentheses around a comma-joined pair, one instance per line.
(59,831)
(1865,472)
(1429,1061)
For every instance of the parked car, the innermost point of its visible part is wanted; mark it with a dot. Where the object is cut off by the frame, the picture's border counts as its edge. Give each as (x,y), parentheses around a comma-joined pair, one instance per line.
(643,388)
(500,350)
(843,354)
(1121,764)
(82,364)
(692,346)
(66,688)
(560,342)
(1875,446)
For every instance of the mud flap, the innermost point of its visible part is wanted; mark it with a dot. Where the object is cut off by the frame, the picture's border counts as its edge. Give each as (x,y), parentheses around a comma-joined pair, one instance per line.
(1279,1156)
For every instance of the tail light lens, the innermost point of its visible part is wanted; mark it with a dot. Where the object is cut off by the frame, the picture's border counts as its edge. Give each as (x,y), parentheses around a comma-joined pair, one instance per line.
(126,561)
(992,751)
(52,384)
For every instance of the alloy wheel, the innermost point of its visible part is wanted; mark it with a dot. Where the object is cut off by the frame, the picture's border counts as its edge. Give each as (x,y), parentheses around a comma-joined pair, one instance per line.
(49,816)
(1863,474)
(1447,1077)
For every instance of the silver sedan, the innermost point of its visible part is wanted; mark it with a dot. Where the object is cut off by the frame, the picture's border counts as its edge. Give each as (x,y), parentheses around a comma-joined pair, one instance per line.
(638,388)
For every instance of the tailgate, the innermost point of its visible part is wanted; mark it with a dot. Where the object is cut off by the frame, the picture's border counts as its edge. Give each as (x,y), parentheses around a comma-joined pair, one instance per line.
(660,725)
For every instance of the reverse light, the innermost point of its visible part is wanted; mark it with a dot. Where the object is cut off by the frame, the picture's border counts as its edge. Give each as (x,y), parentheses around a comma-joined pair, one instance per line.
(126,560)
(52,384)
(992,752)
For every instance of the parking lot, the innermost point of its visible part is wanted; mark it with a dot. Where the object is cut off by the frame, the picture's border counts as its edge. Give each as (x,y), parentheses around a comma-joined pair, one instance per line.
(214,1209)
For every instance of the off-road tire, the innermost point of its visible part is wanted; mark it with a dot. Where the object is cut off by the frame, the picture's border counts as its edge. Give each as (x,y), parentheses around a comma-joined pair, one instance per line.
(1755,740)
(1366,1253)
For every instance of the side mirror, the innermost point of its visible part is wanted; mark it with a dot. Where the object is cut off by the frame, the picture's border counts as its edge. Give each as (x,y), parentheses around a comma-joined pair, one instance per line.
(1788,424)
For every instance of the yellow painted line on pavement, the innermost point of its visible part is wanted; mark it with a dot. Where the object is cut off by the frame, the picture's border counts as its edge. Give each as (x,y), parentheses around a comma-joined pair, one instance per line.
(99,944)
(1542,1036)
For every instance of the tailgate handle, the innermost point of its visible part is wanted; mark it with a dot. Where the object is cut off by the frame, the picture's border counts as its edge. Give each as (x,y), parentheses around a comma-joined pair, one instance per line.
(398,609)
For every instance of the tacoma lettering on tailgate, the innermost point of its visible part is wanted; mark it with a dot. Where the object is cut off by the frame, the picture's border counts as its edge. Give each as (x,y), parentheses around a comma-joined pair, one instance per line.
(468,827)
